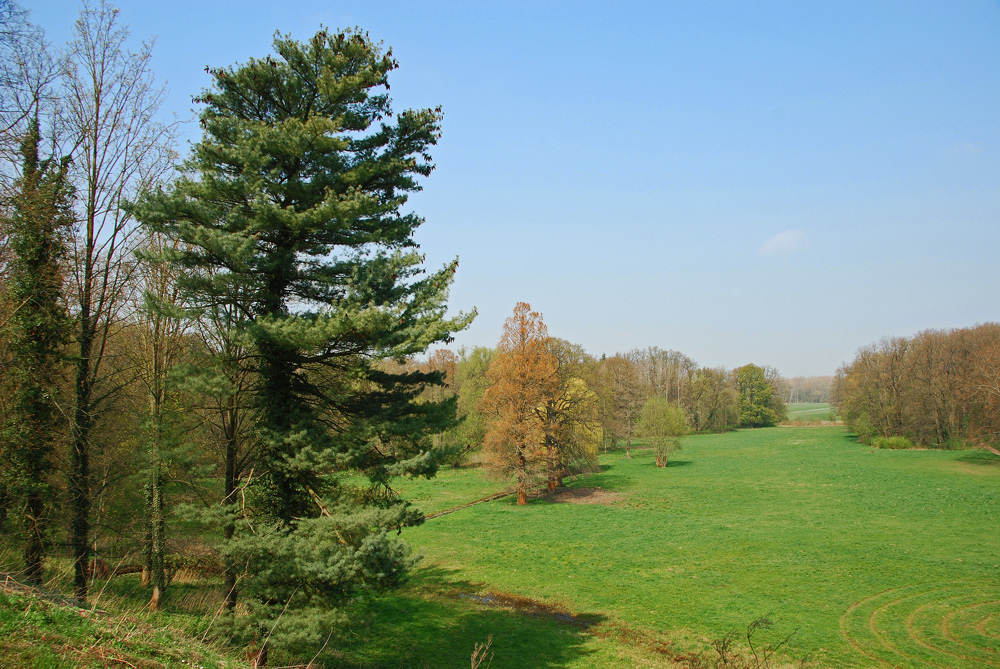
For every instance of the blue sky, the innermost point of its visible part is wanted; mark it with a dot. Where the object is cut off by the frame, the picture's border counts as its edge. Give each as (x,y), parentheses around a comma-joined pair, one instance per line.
(769,182)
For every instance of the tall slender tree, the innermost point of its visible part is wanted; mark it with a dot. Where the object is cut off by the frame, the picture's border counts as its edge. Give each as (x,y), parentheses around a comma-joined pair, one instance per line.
(28,73)
(294,201)
(160,344)
(112,102)
(40,220)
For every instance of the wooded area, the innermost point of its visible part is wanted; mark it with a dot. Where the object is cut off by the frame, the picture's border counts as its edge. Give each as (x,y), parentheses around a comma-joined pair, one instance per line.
(217,340)
(937,388)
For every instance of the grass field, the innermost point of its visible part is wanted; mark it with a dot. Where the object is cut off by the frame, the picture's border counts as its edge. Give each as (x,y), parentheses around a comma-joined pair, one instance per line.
(41,633)
(871,558)
(810,412)
(866,555)
(450,488)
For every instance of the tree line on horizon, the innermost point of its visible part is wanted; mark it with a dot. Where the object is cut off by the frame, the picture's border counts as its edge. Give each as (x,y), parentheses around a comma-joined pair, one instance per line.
(938,389)
(810,389)
(537,407)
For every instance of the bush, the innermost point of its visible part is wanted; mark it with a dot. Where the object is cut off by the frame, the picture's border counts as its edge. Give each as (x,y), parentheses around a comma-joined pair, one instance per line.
(894,443)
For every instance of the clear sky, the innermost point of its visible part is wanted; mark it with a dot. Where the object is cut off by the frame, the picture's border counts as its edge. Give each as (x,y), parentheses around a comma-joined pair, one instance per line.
(769,182)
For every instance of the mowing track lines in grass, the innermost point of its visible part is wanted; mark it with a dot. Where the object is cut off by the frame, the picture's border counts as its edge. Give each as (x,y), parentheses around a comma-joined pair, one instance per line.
(949,628)
(981,627)
(929,640)
(845,620)
(489,498)
(932,624)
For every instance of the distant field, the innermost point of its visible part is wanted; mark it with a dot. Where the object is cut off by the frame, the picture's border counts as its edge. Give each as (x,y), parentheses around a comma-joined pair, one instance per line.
(810,412)
(869,556)
(450,488)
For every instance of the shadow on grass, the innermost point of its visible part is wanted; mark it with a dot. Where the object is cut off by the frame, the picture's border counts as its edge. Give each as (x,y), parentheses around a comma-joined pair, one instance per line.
(679,463)
(602,479)
(438,619)
(980,458)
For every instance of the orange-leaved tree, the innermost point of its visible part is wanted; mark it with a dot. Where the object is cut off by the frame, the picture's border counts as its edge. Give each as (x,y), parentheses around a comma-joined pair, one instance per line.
(522,377)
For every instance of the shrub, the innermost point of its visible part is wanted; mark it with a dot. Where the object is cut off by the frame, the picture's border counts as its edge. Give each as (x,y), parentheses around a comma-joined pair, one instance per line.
(894,443)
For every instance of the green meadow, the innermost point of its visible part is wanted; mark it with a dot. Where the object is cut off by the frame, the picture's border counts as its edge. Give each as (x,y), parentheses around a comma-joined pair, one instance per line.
(810,412)
(867,556)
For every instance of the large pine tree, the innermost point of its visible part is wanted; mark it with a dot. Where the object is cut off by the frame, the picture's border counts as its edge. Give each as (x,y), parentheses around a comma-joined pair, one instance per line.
(291,208)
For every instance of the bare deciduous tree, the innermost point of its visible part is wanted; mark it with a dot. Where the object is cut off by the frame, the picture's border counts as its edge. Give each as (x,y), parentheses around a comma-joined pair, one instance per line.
(627,392)
(121,149)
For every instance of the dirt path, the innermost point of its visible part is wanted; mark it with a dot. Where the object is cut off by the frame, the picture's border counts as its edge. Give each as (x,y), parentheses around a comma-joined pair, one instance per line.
(565,495)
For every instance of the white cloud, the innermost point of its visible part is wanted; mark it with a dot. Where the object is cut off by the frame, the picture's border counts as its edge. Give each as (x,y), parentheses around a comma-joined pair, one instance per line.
(788,241)
(967,147)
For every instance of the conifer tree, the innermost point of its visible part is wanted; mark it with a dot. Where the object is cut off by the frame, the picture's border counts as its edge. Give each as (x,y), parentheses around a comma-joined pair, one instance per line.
(35,332)
(293,202)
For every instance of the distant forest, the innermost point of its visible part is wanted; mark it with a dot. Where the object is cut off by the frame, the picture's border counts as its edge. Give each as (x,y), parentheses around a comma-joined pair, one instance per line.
(808,389)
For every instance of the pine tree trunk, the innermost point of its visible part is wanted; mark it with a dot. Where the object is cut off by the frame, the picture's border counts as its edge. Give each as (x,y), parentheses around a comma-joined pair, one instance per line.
(229,526)
(286,496)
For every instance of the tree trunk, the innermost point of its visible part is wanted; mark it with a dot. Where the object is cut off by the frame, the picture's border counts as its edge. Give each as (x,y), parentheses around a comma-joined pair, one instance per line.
(229,526)
(157,573)
(155,504)
(4,504)
(522,478)
(79,473)
(257,656)
(550,455)
(147,539)
(34,551)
